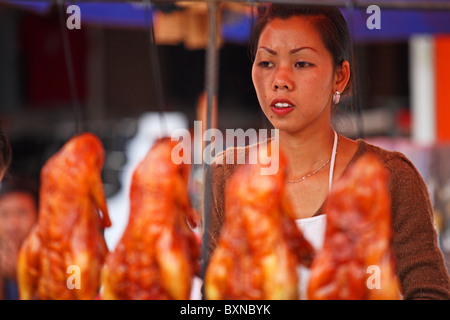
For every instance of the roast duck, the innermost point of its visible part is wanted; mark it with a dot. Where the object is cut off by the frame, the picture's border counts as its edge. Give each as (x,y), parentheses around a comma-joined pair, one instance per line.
(356,261)
(260,246)
(157,256)
(69,230)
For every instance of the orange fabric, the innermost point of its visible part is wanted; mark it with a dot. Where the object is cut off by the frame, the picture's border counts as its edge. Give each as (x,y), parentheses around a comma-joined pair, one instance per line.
(442,67)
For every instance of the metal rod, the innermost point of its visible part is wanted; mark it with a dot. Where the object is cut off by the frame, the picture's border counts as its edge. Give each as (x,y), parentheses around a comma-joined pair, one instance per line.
(395,4)
(422,5)
(211,85)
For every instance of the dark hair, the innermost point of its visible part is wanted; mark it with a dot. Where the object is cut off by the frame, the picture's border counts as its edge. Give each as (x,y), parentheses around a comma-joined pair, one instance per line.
(5,149)
(329,22)
(22,184)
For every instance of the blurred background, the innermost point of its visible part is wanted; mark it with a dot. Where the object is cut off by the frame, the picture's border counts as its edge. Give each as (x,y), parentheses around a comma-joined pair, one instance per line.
(402,85)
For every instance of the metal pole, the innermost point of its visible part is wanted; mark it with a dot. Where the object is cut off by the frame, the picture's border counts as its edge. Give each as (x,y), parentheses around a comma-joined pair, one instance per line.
(400,4)
(423,90)
(395,4)
(211,85)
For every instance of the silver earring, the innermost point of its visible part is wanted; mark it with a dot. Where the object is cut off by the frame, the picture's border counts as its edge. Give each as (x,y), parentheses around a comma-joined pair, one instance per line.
(336,97)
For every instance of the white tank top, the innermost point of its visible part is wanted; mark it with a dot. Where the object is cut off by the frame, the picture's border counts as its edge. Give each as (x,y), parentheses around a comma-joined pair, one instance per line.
(313,228)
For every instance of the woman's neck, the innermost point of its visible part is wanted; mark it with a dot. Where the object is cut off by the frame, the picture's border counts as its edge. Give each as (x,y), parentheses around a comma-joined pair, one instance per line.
(306,151)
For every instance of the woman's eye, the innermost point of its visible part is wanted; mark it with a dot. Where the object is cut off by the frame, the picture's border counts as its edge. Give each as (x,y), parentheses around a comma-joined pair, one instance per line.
(302,64)
(265,64)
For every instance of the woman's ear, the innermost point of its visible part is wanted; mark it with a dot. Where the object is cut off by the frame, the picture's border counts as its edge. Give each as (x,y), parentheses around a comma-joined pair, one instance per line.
(342,76)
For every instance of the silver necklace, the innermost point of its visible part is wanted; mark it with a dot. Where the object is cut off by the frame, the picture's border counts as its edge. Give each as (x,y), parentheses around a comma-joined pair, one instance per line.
(314,172)
(308,175)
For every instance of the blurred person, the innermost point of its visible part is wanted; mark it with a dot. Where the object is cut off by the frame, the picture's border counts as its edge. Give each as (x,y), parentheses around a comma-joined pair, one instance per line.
(5,151)
(18,214)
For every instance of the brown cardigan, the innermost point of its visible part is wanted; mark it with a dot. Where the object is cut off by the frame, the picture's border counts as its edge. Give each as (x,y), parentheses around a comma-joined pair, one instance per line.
(420,263)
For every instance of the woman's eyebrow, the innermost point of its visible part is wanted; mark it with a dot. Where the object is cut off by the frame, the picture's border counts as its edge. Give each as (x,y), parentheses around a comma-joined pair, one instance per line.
(269,50)
(301,48)
(272,52)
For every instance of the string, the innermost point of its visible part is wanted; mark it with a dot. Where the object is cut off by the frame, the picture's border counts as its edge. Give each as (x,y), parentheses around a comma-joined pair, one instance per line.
(156,72)
(70,69)
(333,161)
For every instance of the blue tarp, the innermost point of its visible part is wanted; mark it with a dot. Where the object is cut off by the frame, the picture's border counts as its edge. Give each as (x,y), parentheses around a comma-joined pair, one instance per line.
(112,14)
(115,14)
(395,24)
(40,7)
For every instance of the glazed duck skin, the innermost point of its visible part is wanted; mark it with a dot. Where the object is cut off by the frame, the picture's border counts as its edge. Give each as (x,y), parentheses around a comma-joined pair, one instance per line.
(72,216)
(357,239)
(260,246)
(157,256)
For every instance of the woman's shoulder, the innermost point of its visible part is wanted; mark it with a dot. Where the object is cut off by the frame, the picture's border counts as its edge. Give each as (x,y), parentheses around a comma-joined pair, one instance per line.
(394,161)
(225,163)
(233,156)
(406,184)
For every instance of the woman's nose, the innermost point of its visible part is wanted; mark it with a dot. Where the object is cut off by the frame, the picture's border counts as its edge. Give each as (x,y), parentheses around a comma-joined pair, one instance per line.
(283,80)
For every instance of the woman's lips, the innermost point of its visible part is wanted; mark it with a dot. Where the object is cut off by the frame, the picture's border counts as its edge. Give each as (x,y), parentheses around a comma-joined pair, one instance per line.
(281,106)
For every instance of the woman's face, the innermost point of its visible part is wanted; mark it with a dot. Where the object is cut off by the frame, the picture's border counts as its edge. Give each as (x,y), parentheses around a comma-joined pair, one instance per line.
(293,75)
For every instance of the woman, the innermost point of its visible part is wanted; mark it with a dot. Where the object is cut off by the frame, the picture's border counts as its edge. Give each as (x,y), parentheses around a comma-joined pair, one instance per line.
(302,65)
